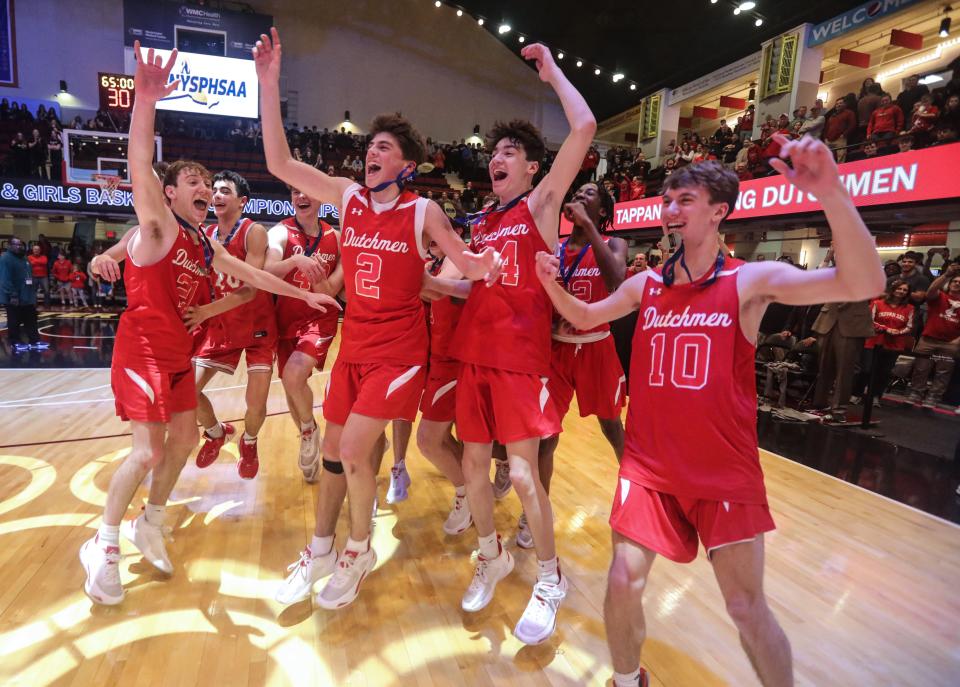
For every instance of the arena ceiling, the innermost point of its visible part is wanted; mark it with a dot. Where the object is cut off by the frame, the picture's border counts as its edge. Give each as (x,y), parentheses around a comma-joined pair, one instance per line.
(655,44)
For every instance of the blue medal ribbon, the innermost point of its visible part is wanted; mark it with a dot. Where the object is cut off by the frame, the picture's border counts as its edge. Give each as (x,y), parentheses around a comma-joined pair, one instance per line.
(309,250)
(207,250)
(477,217)
(226,241)
(568,275)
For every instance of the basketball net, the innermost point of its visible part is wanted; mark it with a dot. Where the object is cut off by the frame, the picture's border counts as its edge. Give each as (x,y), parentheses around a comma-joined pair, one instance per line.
(109,183)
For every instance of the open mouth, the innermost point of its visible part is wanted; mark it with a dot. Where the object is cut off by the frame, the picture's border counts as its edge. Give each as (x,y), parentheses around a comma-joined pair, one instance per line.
(499,175)
(675,226)
(303,206)
(201,204)
(373,168)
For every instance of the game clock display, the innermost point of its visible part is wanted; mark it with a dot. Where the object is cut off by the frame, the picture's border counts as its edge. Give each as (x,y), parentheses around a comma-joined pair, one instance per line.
(116,91)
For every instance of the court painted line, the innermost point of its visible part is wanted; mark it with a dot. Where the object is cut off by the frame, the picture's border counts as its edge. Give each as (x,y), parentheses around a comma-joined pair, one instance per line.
(11,405)
(72,336)
(87,348)
(64,393)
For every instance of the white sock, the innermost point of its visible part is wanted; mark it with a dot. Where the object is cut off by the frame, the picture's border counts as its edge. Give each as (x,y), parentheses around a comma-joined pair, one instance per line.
(309,424)
(401,465)
(109,535)
(250,439)
(489,546)
(320,546)
(214,432)
(359,546)
(461,491)
(549,571)
(155,514)
(626,679)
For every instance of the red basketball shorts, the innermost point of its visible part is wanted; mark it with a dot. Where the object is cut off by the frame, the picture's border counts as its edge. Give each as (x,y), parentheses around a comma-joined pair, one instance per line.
(385,391)
(439,402)
(312,340)
(671,525)
(592,370)
(219,354)
(503,406)
(145,394)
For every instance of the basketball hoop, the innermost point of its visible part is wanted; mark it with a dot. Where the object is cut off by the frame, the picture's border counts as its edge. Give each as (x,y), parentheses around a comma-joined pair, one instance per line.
(109,183)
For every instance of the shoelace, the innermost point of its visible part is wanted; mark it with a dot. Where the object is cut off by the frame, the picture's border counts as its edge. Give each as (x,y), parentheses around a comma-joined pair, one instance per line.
(304,561)
(111,571)
(481,573)
(549,595)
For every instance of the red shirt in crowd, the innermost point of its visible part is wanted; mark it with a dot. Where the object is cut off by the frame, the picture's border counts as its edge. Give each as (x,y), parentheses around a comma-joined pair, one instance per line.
(78,279)
(38,263)
(894,323)
(637,190)
(924,117)
(887,119)
(840,124)
(62,269)
(943,318)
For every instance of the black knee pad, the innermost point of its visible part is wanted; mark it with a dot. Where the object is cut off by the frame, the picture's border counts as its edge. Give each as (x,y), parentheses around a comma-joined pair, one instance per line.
(333,466)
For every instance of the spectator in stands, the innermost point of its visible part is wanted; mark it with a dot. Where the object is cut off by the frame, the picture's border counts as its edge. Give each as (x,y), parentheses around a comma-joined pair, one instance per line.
(722,133)
(886,121)
(743,171)
(950,114)
(78,286)
(37,151)
(865,86)
(813,126)
(799,119)
(891,268)
(946,134)
(910,273)
(25,114)
(55,153)
(938,346)
(867,103)
(40,269)
(61,270)
(685,155)
(923,119)
(746,125)
(19,155)
(4,109)
(638,265)
(867,151)
(839,128)
(590,163)
(640,165)
(18,294)
(928,263)
(893,323)
(912,91)
(638,188)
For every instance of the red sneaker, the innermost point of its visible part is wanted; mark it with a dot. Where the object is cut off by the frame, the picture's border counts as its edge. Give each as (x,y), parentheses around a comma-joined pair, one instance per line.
(207,455)
(249,461)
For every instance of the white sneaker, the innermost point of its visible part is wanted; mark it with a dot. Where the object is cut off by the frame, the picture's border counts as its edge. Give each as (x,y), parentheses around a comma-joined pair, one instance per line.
(524,533)
(344,586)
(459,519)
(310,453)
(484,582)
(304,573)
(501,479)
(399,483)
(103,572)
(539,619)
(149,539)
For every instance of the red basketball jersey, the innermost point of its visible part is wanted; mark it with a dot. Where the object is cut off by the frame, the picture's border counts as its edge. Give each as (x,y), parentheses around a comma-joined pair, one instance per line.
(253,320)
(151,329)
(383,259)
(585,282)
(444,318)
(692,420)
(507,326)
(293,313)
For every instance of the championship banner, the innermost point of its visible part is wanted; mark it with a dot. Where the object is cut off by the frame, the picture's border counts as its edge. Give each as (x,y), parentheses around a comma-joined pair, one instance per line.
(51,197)
(8,45)
(919,175)
(210,85)
(193,28)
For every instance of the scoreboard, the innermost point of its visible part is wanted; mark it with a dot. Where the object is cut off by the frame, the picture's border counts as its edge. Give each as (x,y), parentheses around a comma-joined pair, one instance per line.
(116,91)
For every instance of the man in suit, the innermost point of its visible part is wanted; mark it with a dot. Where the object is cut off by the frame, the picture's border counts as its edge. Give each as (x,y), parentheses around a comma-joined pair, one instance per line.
(841,329)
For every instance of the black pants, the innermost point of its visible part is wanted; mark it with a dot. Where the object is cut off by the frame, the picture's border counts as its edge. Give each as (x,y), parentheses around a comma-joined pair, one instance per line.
(22,318)
(838,361)
(876,365)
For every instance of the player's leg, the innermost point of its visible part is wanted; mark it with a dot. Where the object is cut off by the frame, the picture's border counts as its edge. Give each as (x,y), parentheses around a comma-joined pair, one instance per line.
(623,608)
(399,477)
(539,619)
(438,445)
(258,388)
(296,384)
(319,558)
(360,437)
(101,554)
(739,572)
(501,476)
(215,433)
(612,429)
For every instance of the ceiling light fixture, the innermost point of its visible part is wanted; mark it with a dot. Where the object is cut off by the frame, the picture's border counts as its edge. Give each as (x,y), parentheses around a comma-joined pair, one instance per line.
(579,63)
(758,22)
(559,55)
(504,28)
(522,39)
(459,13)
(633,87)
(747,6)
(480,21)
(617,77)
(437,3)
(945,27)
(596,72)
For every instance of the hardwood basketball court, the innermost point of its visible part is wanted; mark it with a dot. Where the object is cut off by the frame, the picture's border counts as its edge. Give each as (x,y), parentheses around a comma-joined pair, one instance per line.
(865,588)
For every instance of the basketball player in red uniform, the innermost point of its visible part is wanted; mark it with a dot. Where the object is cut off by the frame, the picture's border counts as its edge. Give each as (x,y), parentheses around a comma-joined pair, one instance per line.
(151,372)
(239,320)
(380,371)
(502,389)
(592,266)
(690,467)
(304,251)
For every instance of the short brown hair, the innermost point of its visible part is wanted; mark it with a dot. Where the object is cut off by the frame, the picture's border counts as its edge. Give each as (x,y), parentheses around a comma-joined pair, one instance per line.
(411,142)
(521,133)
(722,184)
(172,172)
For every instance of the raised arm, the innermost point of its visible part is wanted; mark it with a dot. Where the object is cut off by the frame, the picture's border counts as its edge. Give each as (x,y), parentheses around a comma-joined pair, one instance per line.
(150,80)
(280,163)
(547,197)
(581,314)
(857,275)
(933,292)
(611,255)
